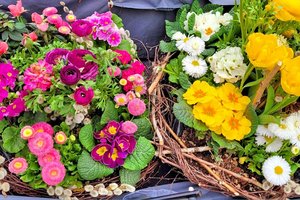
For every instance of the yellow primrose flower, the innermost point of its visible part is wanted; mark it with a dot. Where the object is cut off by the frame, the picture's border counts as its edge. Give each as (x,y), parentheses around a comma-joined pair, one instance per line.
(266,51)
(211,113)
(286,10)
(216,129)
(236,127)
(290,76)
(231,97)
(199,92)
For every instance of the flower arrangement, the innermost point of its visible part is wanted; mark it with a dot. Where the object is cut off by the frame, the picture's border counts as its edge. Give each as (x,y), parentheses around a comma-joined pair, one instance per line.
(234,79)
(72,102)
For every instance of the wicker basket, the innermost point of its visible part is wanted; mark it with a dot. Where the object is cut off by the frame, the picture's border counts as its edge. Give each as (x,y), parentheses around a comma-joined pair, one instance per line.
(197,163)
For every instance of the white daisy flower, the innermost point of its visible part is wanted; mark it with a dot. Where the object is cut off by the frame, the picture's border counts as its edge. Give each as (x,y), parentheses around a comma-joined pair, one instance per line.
(295,140)
(264,131)
(282,130)
(195,46)
(178,36)
(273,144)
(293,120)
(276,170)
(194,66)
(182,43)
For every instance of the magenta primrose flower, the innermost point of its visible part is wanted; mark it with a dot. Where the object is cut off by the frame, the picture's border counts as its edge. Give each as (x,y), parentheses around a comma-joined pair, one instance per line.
(15,108)
(8,75)
(123,56)
(83,96)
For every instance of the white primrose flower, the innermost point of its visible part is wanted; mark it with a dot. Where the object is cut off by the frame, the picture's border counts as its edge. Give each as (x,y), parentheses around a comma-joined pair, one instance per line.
(224,19)
(228,65)
(282,130)
(194,66)
(195,46)
(276,170)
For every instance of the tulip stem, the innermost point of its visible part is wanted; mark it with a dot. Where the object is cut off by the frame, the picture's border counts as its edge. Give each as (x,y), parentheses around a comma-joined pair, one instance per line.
(264,84)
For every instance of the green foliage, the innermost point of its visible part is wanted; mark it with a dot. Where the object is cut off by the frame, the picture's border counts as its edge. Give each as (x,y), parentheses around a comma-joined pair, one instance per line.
(144,128)
(224,143)
(252,116)
(89,169)
(117,20)
(124,45)
(174,68)
(184,80)
(86,137)
(142,155)
(12,141)
(267,119)
(196,7)
(3,124)
(129,176)
(270,99)
(172,27)
(110,113)
(167,46)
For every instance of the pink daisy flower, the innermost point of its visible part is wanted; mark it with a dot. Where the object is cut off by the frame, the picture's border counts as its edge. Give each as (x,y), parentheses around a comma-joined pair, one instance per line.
(140,88)
(136,107)
(54,19)
(43,26)
(53,173)
(60,137)
(124,57)
(43,127)
(70,18)
(129,127)
(52,156)
(41,144)
(114,39)
(114,72)
(121,99)
(130,95)
(49,11)
(64,30)
(27,132)
(18,165)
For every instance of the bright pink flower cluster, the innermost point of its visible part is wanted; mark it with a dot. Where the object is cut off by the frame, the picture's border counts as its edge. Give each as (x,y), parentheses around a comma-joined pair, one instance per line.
(105,29)
(38,76)
(136,68)
(116,143)
(40,143)
(50,16)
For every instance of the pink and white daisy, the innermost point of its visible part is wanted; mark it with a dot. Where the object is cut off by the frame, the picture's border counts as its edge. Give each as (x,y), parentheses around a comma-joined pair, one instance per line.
(121,99)
(53,173)
(52,156)
(18,165)
(130,95)
(27,132)
(129,127)
(41,144)
(136,107)
(43,127)
(60,138)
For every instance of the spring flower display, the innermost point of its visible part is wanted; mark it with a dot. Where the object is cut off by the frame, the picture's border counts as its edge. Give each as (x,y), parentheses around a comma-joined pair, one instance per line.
(63,107)
(233,85)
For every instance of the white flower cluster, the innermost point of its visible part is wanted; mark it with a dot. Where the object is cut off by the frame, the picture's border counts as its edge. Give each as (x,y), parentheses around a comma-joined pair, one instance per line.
(194,46)
(4,186)
(228,65)
(276,169)
(208,23)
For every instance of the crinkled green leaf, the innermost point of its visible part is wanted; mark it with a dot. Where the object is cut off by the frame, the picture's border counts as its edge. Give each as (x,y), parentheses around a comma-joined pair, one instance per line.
(167,46)
(89,169)
(184,80)
(208,52)
(173,68)
(144,128)
(86,137)
(130,177)
(267,119)
(196,7)
(142,155)
(12,141)
(110,113)
(3,125)
(224,143)
(117,20)
(184,113)
(172,27)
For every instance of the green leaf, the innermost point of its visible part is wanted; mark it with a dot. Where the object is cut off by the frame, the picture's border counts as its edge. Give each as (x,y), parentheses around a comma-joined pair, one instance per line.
(117,20)
(3,125)
(270,99)
(267,119)
(5,35)
(167,46)
(184,113)
(208,52)
(285,102)
(199,126)
(86,137)
(223,143)
(142,155)
(144,128)
(182,18)
(110,113)
(124,45)
(27,177)
(210,7)
(89,169)
(12,141)
(16,36)
(19,25)
(252,116)
(253,83)
(130,177)
(172,27)
(184,80)
(191,23)
(173,68)
(196,7)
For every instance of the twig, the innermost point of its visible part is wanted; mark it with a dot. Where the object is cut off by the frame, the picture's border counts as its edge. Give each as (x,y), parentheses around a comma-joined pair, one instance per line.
(173,133)
(160,73)
(187,150)
(265,83)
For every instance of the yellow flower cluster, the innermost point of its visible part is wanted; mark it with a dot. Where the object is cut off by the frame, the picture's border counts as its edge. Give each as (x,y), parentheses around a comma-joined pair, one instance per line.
(221,109)
(286,10)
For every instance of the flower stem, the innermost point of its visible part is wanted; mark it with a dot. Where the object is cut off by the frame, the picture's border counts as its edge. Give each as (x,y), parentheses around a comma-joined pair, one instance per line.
(264,84)
(248,72)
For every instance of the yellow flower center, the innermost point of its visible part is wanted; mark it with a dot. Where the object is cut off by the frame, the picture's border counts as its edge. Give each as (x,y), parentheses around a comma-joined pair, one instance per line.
(123,81)
(121,145)
(234,123)
(278,170)
(185,40)
(40,130)
(101,134)
(40,143)
(14,106)
(210,111)
(112,130)
(18,165)
(49,158)
(54,172)
(114,156)
(9,74)
(3,110)
(268,139)
(27,132)
(282,126)
(208,31)
(60,137)
(195,63)
(138,89)
(101,151)
(199,94)
(233,97)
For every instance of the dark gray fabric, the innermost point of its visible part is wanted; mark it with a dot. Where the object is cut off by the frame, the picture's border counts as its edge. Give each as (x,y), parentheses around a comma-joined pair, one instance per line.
(152,4)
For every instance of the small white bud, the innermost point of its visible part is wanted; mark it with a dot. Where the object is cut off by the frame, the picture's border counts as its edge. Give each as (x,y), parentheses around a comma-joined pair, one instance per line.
(69,121)
(113,186)
(118,192)
(78,118)
(88,188)
(2,160)
(40,99)
(58,190)
(287,189)
(79,40)
(110,193)
(94,193)
(191,189)
(100,185)
(127,188)
(103,191)
(297,190)
(87,121)
(5,187)
(53,118)
(278,99)
(68,192)
(48,110)
(50,191)
(266,185)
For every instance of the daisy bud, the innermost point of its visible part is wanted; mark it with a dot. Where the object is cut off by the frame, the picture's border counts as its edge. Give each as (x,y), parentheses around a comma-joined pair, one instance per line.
(103,191)
(2,160)
(78,118)
(53,118)
(60,137)
(297,190)
(278,99)
(58,190)
(127,188)
(47,110)
(5,187)
(98,186)
(113,186)
(69,121)
(118,192)
(50,191)
(68,192)
(94,193)
(88,188)
(87,121)
(72,138)
(266,185)
(295,150)
(123,82)
(287,189)
(40,99)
